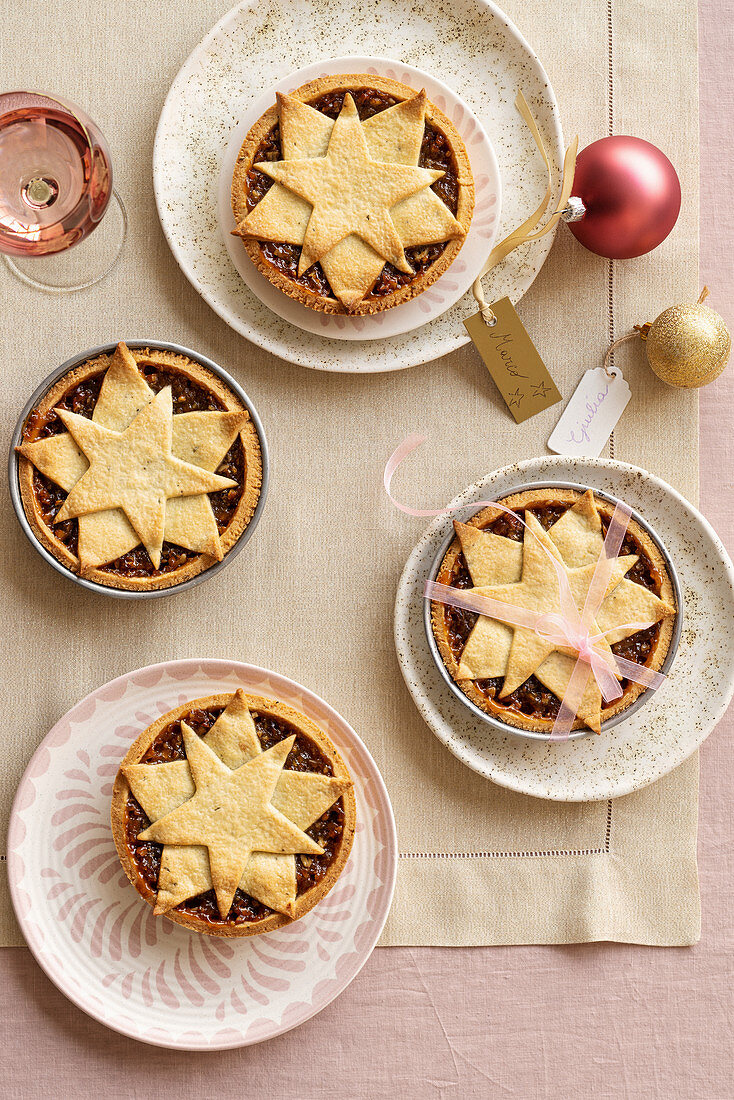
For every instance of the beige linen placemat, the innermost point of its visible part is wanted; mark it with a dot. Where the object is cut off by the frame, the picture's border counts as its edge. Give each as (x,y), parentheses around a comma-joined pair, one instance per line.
(478,863)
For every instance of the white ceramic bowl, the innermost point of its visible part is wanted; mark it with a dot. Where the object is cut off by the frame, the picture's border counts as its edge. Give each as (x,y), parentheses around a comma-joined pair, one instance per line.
(452,284)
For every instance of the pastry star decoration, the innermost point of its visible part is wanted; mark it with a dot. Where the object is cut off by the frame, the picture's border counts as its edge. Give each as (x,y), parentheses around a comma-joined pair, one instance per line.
(350,193)
(230,816)
(135,473)
(521,574)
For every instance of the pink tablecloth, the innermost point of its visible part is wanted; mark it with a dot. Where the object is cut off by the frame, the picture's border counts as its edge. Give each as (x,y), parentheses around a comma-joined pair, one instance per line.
(526,1022)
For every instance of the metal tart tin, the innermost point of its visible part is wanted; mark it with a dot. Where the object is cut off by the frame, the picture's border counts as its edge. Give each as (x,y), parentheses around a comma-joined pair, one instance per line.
(504,727)
(93,586)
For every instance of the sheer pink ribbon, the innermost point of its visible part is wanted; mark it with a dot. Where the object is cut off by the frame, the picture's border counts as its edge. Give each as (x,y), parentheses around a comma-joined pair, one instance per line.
(568,629)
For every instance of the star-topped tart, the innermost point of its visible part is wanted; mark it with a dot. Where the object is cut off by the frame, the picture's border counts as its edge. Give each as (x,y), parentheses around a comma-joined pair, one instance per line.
(130,451)
(133,470)
(515,672)
(371,193)
(348,192)
(256,808)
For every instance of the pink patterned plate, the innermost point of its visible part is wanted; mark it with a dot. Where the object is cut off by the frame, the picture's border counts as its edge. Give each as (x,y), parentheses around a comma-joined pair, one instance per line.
(100,943)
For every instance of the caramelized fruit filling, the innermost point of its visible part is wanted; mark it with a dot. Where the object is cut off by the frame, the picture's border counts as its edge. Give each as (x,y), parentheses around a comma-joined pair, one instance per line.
(435,153)
(305,756)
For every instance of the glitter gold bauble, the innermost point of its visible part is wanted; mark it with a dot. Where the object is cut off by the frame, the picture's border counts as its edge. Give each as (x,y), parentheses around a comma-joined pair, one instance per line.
(687,345)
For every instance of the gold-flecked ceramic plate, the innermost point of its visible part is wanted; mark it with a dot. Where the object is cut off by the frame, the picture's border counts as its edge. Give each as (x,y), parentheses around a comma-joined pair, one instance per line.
(470,46)
(643,746)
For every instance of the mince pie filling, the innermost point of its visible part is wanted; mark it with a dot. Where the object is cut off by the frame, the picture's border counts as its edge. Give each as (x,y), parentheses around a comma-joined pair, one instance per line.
(532,698)
(188,396)
(305,756)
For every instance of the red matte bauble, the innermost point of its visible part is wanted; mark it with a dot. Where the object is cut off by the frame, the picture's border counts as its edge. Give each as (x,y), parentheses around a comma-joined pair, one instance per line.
(631,192)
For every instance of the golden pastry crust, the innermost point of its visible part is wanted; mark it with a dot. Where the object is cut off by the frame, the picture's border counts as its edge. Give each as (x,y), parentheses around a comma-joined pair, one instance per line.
(300,724)
(199,374)
(539,497)
(352,83)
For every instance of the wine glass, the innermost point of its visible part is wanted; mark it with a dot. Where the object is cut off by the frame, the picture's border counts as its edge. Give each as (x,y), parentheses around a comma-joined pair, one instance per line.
(55,189)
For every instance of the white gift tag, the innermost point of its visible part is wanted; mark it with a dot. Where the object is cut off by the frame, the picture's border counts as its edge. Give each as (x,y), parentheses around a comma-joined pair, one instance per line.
(592,413)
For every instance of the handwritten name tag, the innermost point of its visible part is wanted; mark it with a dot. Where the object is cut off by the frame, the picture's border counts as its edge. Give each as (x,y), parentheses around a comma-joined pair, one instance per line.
(591,415)
(513,361)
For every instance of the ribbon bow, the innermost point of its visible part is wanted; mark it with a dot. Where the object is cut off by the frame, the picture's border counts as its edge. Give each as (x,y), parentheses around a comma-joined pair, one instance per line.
(529,231)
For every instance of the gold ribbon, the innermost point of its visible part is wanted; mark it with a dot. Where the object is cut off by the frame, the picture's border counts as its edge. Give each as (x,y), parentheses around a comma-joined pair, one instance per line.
(525,232)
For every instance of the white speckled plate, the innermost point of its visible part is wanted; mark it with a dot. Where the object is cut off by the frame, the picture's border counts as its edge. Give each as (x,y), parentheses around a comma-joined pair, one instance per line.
(470,45)
(675,720)
(143,975)
(451,286)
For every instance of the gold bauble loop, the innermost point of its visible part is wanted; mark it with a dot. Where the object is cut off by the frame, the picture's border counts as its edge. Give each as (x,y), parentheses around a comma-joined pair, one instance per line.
(688,345)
